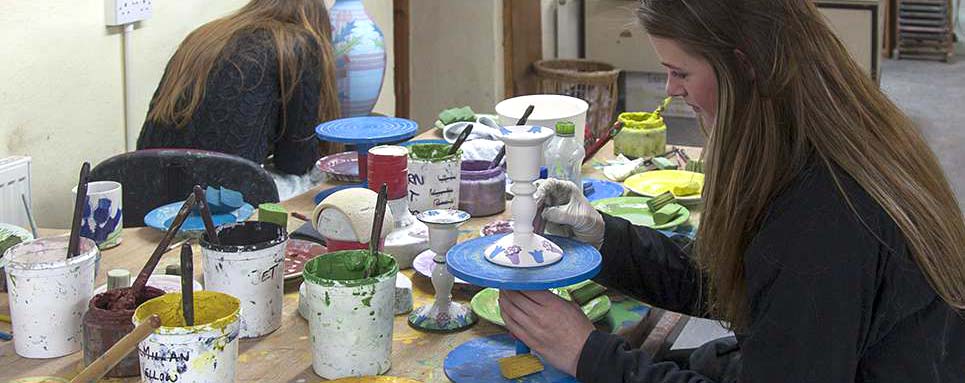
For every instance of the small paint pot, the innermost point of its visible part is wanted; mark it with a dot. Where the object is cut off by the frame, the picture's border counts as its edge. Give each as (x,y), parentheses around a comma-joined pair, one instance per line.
(433,177)
(249,265)
(482,190)
(103,327)
(350,317)
(389,164)
(205,352)
(49,294)
(103,218)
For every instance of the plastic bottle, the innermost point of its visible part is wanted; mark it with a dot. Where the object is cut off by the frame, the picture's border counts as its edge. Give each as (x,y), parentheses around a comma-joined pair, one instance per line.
(564,157)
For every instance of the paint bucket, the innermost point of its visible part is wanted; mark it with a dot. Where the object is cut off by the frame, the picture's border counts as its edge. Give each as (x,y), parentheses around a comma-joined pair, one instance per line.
(103,217)
(482,190)
(103,327)
(433,177)
(548,109)
(249,265)
(388,164)
(205,352)
(351,318)
(48,294)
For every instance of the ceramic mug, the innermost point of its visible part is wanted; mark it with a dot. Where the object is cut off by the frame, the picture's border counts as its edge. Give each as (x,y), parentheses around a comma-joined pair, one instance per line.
(103,218)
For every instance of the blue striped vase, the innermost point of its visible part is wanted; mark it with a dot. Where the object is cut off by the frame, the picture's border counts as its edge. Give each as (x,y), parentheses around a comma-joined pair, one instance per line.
(359,57)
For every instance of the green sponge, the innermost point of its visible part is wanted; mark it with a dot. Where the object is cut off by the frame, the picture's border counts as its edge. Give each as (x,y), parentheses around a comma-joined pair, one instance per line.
(454,115)
(274,213)
(667,214)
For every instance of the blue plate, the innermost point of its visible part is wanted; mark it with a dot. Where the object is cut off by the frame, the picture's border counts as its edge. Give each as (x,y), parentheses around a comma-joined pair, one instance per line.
(366,130)
(603,189)
(423,142)
(161,218)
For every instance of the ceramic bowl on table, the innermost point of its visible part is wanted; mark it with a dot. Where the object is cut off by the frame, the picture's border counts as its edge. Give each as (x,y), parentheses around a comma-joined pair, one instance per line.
(341,167)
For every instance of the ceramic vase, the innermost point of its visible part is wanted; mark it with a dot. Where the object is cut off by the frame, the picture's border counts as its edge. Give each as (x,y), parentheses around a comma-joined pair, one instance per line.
(359,57)
(523,248)
(443,315)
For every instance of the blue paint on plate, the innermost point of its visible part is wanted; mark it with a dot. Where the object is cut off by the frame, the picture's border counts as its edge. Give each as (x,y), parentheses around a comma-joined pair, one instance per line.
(602,189)
(580,262)
(162,217)
(477,361)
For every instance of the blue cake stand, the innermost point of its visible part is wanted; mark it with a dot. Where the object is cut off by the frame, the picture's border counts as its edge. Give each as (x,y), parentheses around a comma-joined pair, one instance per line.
(478,359)
(366,133)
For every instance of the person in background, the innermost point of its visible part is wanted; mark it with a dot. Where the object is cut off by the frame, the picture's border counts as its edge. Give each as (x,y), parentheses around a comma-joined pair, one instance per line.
(253,84)
(830,241)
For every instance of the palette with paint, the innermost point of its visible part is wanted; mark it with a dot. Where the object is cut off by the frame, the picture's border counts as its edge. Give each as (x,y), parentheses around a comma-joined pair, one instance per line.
(486,304)
(161,217)
(297,253)
(635,210)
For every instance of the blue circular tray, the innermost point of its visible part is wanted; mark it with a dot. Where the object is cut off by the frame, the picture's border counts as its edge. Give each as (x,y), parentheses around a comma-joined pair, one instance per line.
(603,189)
(478,361)
(160,218)
(580,262)
(366,130)
(422,142)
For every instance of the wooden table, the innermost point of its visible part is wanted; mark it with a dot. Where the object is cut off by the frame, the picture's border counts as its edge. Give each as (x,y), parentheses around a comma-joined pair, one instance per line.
(284,355)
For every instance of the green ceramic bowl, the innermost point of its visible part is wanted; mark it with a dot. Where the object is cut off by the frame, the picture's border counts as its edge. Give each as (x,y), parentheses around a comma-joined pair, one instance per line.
(486,305)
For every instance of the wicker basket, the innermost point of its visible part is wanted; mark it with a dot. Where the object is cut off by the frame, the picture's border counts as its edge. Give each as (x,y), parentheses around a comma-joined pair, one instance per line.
(592,81)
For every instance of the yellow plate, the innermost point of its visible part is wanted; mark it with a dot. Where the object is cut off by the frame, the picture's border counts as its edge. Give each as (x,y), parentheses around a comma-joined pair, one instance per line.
(374,379)
(656,182)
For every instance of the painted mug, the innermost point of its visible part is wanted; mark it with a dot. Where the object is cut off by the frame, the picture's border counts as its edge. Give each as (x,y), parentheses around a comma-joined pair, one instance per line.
(103,218)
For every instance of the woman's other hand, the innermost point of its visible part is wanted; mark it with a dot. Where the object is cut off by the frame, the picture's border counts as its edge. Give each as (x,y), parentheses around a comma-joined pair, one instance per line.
(567,207)
(553,327)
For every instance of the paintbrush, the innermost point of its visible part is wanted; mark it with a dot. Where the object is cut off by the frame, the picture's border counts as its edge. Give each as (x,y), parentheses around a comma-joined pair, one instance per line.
(377,229)
(502,151)
(162,246)
(118,351)
(73,244)
(30,216)
(199,198)
(301,216)
(187,284)
(459,141)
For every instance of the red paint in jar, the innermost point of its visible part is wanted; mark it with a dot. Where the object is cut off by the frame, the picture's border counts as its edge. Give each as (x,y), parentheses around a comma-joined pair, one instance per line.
(103,327)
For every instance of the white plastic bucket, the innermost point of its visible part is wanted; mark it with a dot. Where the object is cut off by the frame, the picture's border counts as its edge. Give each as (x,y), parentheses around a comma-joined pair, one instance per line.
(249,265)
(433,182)
(350,321)
(48,294)
(548,109)
(205,352)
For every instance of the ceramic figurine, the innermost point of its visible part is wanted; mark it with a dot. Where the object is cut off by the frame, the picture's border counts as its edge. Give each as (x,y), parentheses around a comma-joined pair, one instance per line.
(443,315)
(523,248)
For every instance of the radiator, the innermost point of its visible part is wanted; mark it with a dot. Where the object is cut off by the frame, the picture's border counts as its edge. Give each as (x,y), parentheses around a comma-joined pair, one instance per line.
(14,182)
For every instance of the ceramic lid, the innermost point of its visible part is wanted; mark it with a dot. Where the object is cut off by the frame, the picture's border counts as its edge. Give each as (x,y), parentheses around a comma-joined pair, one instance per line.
(529,135)
(443,217)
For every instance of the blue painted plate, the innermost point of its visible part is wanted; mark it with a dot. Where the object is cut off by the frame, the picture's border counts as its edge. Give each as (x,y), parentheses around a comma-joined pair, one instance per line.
(603,189)
(162,217)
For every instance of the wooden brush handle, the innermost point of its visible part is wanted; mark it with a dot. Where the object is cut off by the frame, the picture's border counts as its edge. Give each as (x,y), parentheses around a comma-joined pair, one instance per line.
(199,198)
(118,351)
(162,246)
(73,242)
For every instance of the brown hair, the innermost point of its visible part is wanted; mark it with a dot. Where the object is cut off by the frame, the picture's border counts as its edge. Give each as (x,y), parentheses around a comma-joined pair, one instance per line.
(292,24)
(798,93)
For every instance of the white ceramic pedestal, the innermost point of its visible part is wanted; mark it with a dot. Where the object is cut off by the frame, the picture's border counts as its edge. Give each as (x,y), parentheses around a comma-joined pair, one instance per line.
(443,315)
(410,236)
(523,248)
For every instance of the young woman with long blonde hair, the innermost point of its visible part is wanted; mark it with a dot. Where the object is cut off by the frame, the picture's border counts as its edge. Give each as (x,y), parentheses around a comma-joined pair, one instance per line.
(252,84)
(830,241)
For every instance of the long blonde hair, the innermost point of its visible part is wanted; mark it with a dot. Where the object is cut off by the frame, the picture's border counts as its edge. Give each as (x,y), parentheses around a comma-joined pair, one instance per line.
(292,24)
(796,93)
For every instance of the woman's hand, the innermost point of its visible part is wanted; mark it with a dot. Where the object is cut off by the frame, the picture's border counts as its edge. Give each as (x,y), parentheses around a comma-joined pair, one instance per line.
(567,207)
(551,326)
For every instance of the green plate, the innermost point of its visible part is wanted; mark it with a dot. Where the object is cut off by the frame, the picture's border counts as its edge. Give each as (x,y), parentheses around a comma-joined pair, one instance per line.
(635,210)
(486,305)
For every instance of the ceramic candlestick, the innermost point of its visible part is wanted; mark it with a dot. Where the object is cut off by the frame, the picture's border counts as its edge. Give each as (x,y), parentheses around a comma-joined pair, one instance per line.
(443,315)
(523,248)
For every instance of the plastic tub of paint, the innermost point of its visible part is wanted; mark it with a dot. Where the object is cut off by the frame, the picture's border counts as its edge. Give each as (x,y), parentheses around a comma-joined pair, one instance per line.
(433,177)
(351,317)
(104,326)
(205,352)
(48,294)
(482,190)
(249,265)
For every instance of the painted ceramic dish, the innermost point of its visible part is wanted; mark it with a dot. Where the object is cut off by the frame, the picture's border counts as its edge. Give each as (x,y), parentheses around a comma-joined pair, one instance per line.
(635,210)
(486,305)
(656,182)
(162,217)
(501,226)
(424,264)
(601,189)
(297,253)
(374,379)
(342,167)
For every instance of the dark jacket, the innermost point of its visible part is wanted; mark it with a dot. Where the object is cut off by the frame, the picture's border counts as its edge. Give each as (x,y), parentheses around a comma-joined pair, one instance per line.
(241,113)
(831,298)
